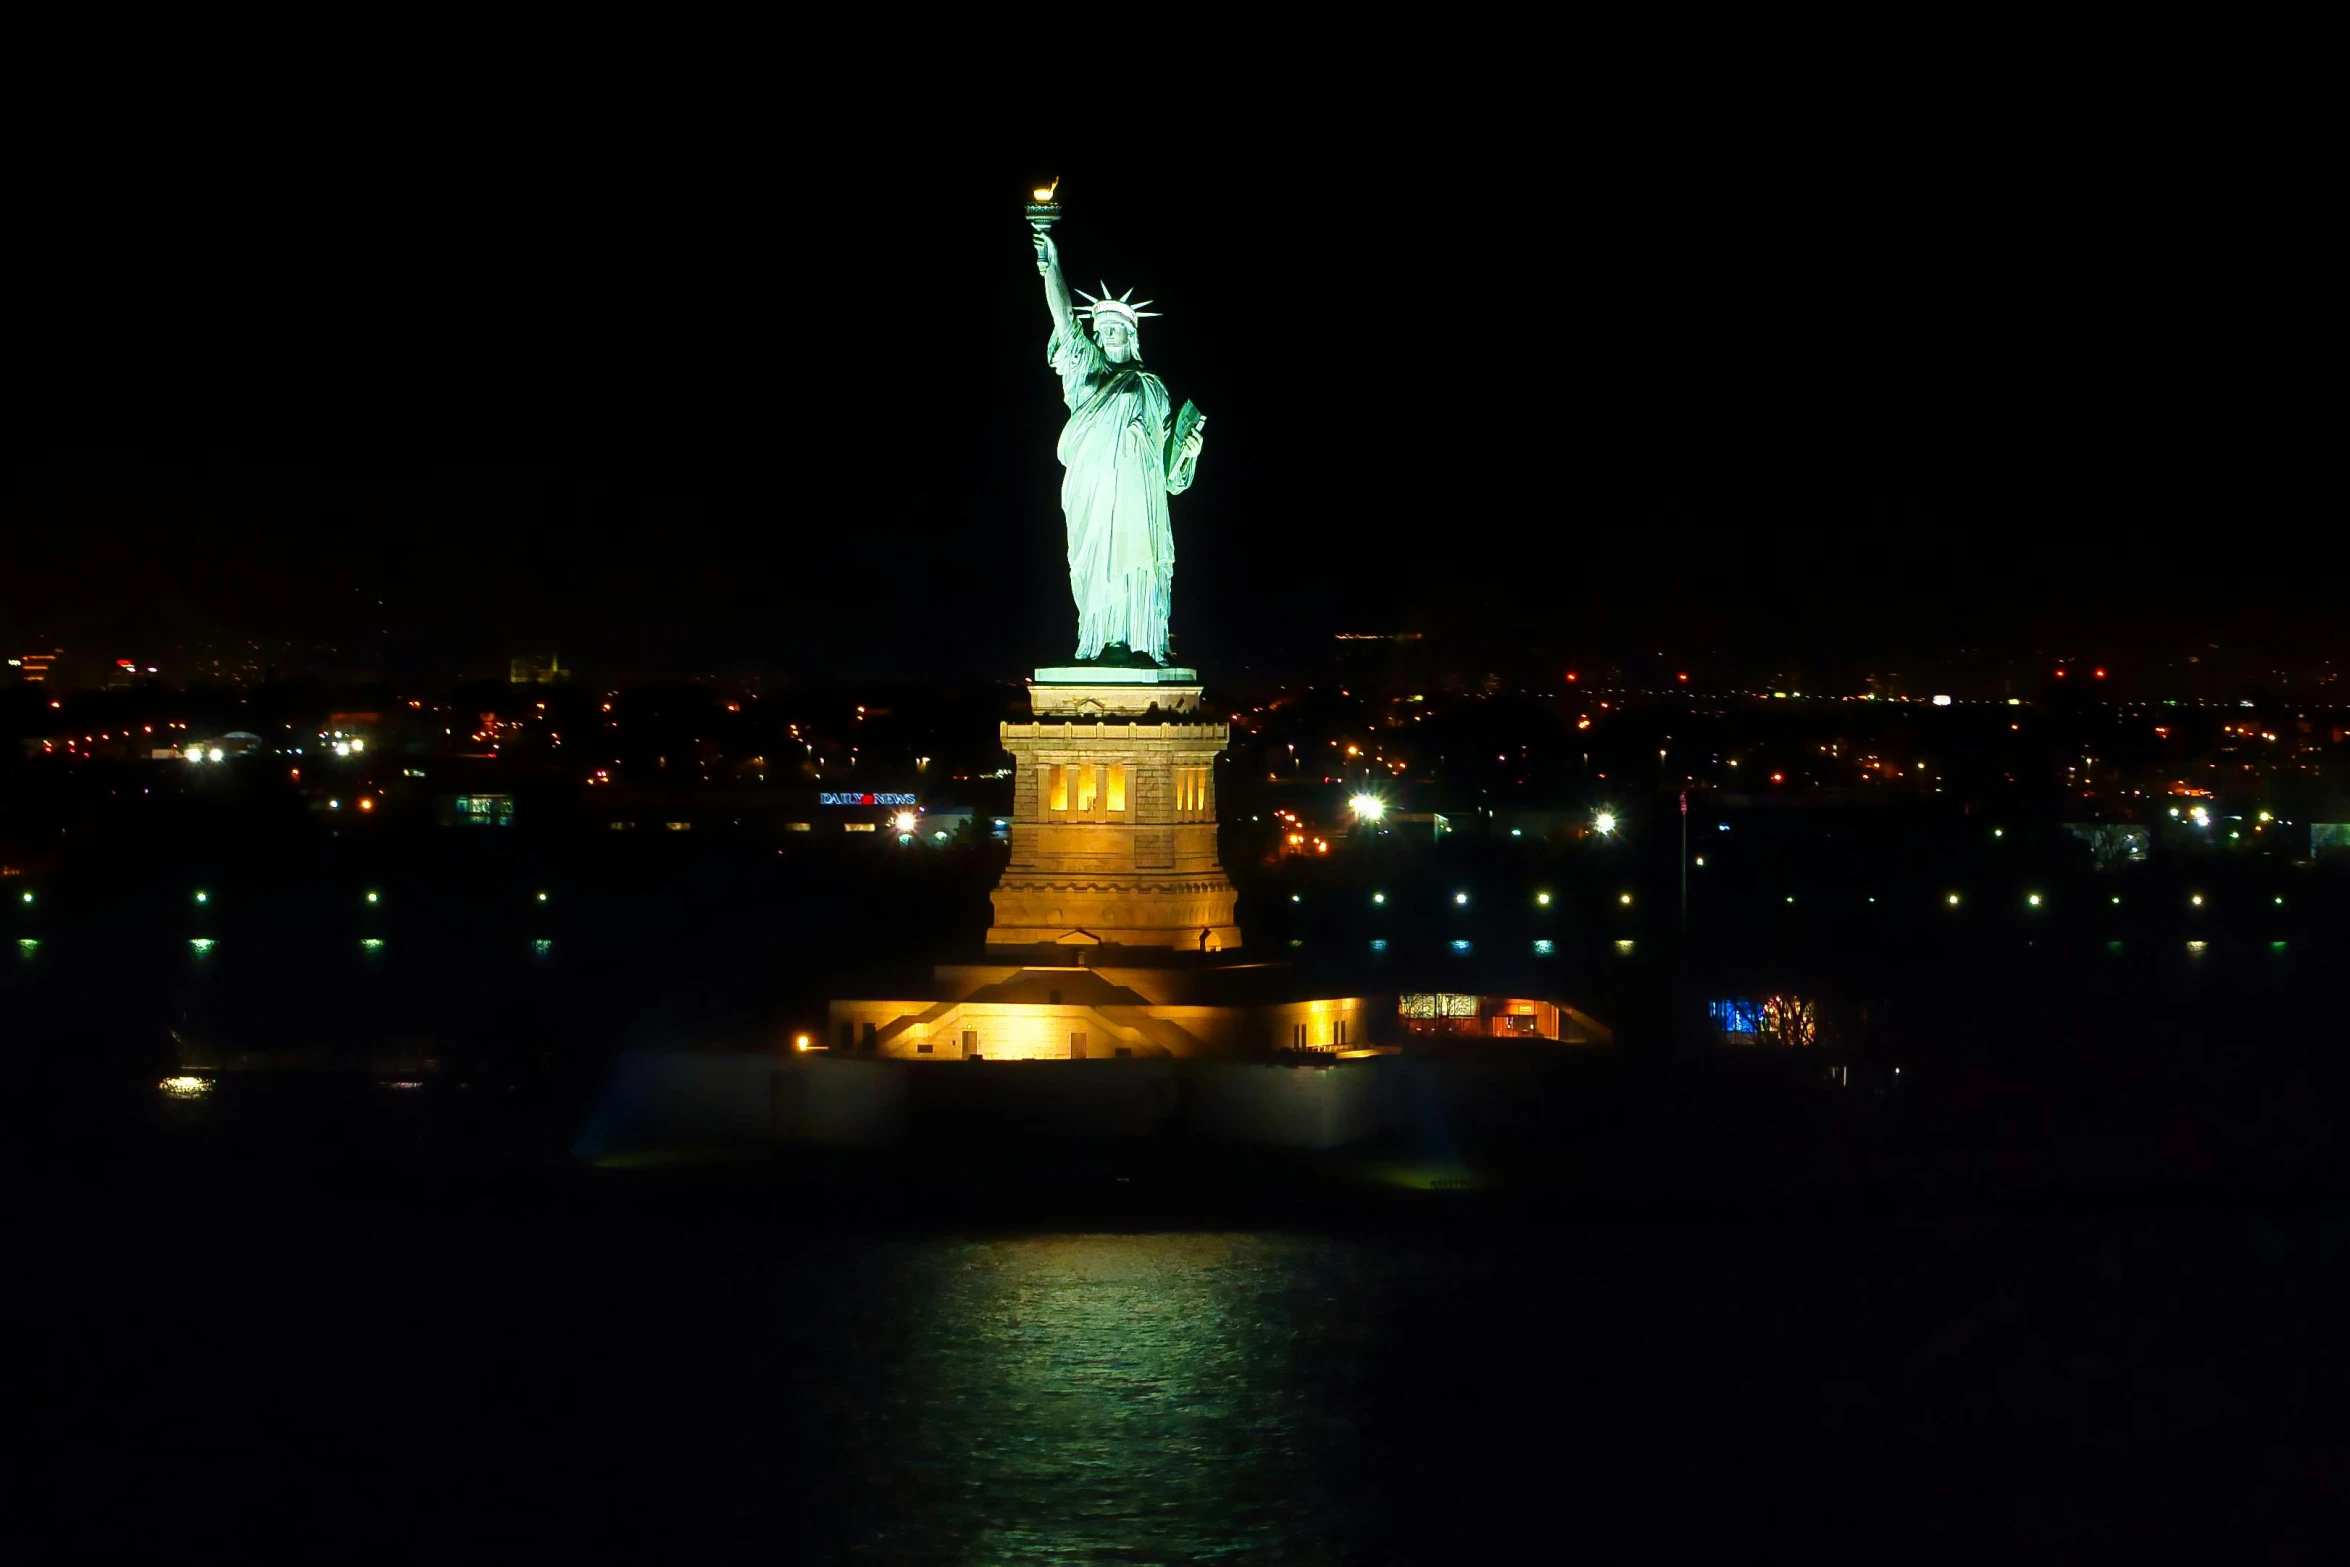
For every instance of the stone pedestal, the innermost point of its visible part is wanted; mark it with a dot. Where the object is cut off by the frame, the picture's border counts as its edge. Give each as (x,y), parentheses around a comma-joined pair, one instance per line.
(1114,815)
(1084,691)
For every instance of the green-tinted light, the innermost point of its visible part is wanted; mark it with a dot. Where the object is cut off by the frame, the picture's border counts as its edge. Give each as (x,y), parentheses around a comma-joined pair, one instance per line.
(374,897)
(203,896)
(27,944)
(542,897)
(1378,897)
(28,897)
(2276,946)
(1543,899)
(2280,903)
(371,943)
(2033,900)
(542,946)
(200,945)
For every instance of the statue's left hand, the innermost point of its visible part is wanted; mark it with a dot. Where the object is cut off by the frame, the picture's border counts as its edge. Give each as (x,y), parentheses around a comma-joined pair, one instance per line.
(1193,441)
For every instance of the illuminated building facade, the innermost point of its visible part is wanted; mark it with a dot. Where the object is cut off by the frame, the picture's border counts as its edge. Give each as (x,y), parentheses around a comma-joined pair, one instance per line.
(35,669)
(1113,826)
(1448,1014)
(533,669)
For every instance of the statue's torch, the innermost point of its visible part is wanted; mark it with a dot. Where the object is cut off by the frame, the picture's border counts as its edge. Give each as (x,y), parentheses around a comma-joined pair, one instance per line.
(1043,209)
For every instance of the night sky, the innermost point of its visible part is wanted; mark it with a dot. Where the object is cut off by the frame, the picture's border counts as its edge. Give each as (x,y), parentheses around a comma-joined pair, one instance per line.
(667,376)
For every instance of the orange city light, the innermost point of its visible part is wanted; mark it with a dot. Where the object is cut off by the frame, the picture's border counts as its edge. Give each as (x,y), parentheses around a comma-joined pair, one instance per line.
(366,804)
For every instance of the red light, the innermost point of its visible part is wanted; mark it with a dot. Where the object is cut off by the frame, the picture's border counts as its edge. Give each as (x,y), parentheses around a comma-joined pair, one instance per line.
(2060,674)
(1682,678)
(1571,675)
(2099,673)
(1778,777)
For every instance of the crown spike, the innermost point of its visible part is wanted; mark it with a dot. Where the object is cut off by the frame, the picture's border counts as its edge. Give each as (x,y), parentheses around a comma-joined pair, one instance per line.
(1123,305)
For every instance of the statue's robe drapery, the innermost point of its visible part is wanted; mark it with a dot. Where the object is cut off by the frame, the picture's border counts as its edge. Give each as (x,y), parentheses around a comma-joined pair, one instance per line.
(1114,496)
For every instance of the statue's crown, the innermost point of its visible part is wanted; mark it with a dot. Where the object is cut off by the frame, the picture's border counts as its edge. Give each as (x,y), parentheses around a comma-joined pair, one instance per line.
(1097,306)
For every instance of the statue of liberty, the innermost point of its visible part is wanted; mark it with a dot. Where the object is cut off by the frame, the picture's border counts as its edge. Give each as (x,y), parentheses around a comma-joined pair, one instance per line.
(1121,462)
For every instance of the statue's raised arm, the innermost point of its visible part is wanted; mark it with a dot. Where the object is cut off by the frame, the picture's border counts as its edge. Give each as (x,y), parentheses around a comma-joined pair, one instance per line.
(1056,288)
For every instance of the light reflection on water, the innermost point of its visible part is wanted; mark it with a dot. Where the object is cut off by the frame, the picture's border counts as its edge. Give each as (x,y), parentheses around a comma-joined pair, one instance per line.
(1113,1397)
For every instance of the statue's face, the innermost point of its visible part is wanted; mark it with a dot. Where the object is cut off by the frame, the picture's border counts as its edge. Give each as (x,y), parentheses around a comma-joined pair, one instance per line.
(1115,336)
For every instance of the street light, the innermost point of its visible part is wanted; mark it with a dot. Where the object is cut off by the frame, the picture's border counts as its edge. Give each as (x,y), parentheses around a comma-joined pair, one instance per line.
(1368,808)
(1604,823)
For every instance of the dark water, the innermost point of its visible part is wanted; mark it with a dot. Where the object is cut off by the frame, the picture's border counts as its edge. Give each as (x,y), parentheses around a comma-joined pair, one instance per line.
(226,1371)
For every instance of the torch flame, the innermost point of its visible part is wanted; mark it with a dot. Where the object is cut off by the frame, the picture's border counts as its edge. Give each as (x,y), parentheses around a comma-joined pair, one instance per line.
(1045,192)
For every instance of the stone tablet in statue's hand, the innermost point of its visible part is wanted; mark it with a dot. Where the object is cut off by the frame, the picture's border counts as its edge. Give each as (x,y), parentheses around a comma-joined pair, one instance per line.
(1192,440)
